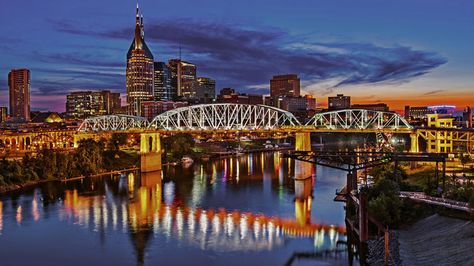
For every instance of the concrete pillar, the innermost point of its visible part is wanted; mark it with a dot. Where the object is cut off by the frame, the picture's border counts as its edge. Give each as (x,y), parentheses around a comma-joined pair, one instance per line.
(303,200)
(414,142)
(303,170)
(303,141)
(150,152)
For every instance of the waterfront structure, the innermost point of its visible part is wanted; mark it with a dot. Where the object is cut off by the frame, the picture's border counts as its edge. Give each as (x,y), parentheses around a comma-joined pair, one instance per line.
(285,86)
(162,83)
(205,90)
(19,85)
(183,77)
(381,107)
(3,114)
(139,73)
(443,140)
(152,109)
(229,95)
(339,102)
(81,104)
(421,112)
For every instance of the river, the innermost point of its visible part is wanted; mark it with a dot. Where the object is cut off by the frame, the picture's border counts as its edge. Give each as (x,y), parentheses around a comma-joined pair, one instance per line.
(245,210)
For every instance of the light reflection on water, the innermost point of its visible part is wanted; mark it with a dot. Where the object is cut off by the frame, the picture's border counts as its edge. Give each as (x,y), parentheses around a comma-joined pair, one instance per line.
(221,206)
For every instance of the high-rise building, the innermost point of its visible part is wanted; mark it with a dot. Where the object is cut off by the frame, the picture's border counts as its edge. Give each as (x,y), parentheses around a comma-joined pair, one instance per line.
(205,89)
(3,114)
(81,104)
(339,102)
(183,78)
(19,84)
(162,83)
(285,86)
(139,74)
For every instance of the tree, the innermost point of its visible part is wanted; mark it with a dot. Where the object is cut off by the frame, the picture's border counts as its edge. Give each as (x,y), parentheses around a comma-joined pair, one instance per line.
(117,140)
(179,145)
(89,157)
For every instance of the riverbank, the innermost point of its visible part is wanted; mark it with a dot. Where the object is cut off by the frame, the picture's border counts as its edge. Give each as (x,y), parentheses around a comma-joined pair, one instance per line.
(437,240)
(11,188)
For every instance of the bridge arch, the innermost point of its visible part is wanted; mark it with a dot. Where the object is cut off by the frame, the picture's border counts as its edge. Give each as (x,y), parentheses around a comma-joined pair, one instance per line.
(224,116)
(113,123)
(358,119)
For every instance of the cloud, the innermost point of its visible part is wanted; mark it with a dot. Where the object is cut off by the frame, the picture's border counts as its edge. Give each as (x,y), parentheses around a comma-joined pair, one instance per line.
(433,92)
(238,56)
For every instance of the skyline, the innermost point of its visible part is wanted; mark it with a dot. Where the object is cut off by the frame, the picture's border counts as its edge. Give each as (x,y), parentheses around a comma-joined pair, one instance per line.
(364,52)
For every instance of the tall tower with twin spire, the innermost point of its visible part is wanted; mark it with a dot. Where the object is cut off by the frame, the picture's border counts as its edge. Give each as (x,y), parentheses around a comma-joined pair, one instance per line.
(139,74)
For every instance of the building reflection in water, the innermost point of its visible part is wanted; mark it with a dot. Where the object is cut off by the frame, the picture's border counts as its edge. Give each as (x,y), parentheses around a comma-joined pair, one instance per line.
(145,206)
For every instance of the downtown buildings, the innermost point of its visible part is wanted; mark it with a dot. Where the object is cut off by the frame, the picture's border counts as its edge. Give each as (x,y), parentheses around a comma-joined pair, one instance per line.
(82,104)
(19,92)
(149,82)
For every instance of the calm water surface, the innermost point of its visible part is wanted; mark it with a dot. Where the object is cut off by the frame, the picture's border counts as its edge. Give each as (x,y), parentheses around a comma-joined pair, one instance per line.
(243,210)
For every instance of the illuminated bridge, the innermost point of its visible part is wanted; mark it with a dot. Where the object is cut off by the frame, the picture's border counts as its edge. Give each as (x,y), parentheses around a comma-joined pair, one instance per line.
(238,117)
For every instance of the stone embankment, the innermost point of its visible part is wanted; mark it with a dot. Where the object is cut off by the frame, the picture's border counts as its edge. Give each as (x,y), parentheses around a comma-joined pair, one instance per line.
(376,249)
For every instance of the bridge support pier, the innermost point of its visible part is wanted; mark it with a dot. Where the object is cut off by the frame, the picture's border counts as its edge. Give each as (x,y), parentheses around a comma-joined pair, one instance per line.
(303,141)
(363,227)
(413,147)
(150,152)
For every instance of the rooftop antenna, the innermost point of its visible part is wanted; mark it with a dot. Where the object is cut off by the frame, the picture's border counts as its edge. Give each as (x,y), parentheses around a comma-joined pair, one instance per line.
(179,51)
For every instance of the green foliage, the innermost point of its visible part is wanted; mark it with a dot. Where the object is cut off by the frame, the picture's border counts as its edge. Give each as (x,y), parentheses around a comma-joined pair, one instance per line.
(388,172)
(178,146)
(88,159)
(384,201)
(117,140)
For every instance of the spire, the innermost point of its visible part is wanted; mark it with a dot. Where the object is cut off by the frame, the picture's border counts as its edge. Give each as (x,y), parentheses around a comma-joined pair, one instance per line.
(142,27)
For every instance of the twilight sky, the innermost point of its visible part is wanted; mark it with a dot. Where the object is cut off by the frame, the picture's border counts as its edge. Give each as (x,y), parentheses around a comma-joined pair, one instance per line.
(404,52)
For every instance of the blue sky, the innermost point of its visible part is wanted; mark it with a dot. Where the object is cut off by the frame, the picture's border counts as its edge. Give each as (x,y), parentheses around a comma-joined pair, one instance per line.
(399,52)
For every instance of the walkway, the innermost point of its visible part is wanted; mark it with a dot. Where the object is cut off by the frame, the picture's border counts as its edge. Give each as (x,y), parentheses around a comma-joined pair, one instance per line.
(422,197)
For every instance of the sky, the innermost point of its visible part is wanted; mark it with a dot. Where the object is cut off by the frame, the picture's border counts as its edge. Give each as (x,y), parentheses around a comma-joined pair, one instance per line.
(404,52)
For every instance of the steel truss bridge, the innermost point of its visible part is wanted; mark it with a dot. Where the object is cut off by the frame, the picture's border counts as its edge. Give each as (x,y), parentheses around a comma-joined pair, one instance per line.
(236,117)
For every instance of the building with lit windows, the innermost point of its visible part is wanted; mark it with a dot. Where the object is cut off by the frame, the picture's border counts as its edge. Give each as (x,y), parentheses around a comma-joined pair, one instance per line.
(81,104)
(285,86)
(205,90)
(339,102)
(443,141)
(3,114)
(162,83)
(183,78)
(19,90)
(140,70)
(229,95)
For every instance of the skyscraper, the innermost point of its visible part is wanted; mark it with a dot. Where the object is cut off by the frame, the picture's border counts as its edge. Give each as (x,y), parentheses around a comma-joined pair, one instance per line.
(139,74)
(183,77)
(19,84)
(285,86)
(205,89)
(162,83)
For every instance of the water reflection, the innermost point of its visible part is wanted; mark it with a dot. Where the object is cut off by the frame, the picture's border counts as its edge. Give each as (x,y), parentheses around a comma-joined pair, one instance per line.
(207,206)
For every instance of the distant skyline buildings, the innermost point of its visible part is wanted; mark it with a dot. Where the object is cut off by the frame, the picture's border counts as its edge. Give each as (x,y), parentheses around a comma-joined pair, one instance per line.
(82,104)
(88,53)
(19,91)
